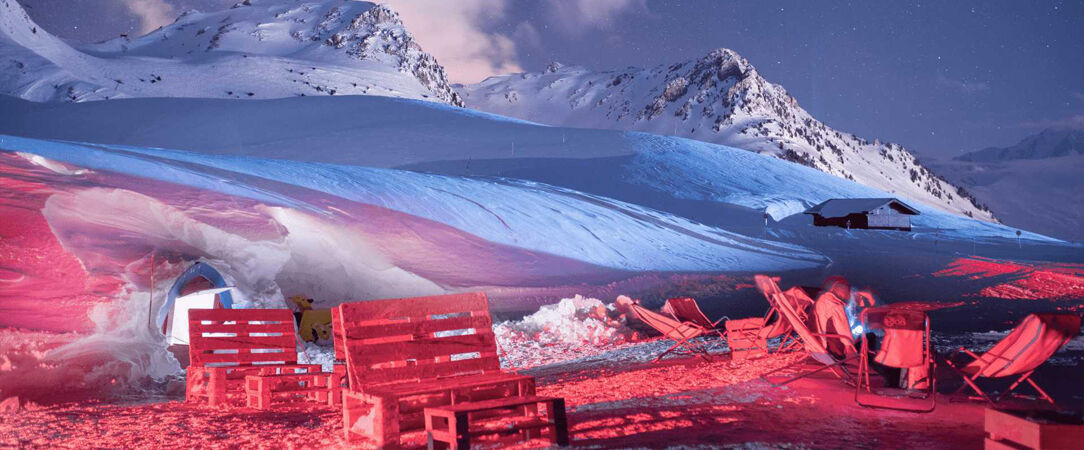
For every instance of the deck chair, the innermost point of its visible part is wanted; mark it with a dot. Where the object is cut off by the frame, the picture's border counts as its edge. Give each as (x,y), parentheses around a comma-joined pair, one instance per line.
(810,341)
(773,325)
(687,310)
(1019,353)
(682,333)
(905,345)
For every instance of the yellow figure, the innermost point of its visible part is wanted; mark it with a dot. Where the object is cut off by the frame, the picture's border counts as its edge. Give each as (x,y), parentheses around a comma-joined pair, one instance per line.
(312,324)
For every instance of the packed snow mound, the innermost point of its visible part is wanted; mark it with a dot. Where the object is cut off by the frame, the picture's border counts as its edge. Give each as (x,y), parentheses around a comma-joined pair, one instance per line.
(570,329)
(93,237)
(718,98)
(331,232)
(257,49)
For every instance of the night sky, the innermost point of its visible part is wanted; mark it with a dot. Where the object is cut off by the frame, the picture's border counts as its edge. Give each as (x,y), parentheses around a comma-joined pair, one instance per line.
(941,78)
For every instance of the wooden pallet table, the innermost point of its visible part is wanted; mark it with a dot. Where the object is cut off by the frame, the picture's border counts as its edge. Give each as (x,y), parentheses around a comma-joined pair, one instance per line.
(1033,430)
(455,426)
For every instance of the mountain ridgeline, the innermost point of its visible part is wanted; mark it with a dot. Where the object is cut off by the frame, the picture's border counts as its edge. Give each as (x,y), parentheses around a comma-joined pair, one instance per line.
(256,49)
(718,98)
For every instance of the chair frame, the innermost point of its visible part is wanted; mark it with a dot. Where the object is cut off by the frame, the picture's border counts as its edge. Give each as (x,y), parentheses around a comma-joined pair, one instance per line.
(864,366)
(820,354)
(680,341)
(970,381)
(696,317)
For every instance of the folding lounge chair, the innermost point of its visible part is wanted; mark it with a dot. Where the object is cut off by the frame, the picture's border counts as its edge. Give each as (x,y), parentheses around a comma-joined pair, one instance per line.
(906,345)
(1023,350)
(810,342)
(773,325)
(687,310)
(680,332)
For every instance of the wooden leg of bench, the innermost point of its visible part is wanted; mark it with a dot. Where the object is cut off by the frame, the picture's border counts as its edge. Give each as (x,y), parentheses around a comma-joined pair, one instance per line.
(216,386)
(321,384)
(264,389)
(371,416)
(252,393)
(194,386)
(560,422)
(460,423)
(336,380)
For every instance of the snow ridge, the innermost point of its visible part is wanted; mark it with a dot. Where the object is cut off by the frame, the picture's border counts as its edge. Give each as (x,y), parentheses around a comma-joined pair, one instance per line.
(719,98)
(256,49)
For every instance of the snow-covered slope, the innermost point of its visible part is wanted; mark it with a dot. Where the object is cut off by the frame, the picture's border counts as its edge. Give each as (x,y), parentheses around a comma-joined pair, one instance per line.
(719,98)
(256,49)
(1049,143)
(333,231)
(709,183)
(1034,185)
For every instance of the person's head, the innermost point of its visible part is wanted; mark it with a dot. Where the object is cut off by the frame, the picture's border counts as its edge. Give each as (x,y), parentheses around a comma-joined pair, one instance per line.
(838,286)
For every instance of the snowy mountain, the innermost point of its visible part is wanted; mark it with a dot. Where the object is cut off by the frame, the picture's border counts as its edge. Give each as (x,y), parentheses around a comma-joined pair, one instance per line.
(719,98)
(1034,184)
(256,49)
(1050,143)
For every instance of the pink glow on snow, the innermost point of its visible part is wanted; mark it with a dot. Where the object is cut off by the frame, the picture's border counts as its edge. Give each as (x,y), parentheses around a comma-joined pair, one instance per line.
(1020,281)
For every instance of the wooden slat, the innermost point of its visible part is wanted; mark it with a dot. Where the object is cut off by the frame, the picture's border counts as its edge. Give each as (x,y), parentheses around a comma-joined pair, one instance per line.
(414,307)
(230,315)
(421,349)
(496,403)
(431,370)
(337,334)
(443,384)
(201,358)
(244,342)
(239,328)
(239,336)
(422,328)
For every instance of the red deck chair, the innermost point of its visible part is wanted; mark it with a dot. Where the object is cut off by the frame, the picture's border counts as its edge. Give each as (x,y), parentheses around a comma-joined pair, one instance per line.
(687,310)
(773,325)
(810,342)
(682,333)
(906,345)
(1023,350)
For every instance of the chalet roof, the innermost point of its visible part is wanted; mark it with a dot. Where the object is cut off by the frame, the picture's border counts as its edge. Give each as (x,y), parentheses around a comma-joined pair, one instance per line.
(842,207)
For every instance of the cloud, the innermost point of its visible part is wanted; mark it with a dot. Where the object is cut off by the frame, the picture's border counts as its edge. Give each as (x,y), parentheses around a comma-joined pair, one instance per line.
(576,17)
(966,87)
(461,35)
(454,32)
(151,13)
(1079,96)
(1075,122)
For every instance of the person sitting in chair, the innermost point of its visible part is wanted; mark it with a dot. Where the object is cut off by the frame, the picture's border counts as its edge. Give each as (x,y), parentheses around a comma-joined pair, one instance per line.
(830,310)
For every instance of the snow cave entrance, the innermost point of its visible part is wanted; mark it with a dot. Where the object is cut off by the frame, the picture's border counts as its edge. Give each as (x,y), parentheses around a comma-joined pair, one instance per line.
(199,287)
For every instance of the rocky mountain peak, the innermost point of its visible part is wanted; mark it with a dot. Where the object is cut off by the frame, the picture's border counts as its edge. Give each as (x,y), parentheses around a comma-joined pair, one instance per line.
(719,98)
(257,49)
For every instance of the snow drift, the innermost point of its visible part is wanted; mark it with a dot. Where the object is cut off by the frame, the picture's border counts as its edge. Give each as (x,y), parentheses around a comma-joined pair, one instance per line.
(86,220)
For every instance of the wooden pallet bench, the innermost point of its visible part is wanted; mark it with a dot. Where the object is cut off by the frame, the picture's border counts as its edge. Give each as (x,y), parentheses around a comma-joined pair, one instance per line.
(455,426)
(226,345)
(404,355)
(1033,430)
